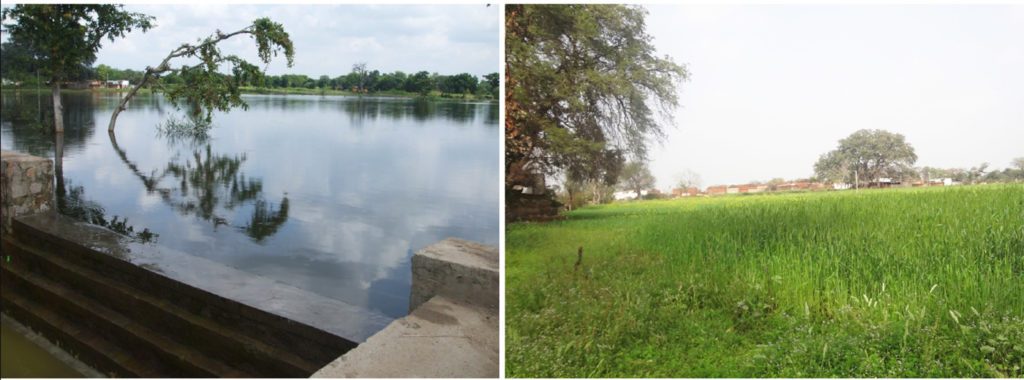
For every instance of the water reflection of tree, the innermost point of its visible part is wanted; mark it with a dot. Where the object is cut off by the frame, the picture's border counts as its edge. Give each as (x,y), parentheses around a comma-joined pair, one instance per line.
(207,182)
(71,201)
(31,126)
(31,121)
(359,109)
(492,113)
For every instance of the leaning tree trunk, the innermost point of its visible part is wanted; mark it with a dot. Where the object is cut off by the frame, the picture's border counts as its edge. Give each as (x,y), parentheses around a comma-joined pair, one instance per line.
(58,109)
(123,104)
(152,73)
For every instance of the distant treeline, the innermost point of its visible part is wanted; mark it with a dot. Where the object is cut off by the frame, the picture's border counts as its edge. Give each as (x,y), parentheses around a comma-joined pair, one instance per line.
(19,67)
(359,80)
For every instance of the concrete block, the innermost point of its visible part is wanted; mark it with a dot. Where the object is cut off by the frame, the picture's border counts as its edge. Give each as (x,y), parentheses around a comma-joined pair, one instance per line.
(457,269)
(442,338)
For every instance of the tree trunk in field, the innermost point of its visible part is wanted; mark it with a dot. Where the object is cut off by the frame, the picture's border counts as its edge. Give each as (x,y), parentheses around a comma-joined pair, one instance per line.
(58,109)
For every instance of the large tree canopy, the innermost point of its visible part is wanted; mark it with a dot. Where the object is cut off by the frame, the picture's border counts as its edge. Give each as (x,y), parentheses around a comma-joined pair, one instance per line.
(18,62)
(584,89)
(867,155)
(64,37)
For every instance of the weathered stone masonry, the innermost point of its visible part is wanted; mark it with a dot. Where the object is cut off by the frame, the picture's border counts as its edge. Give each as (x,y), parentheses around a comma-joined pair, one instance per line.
(27,185)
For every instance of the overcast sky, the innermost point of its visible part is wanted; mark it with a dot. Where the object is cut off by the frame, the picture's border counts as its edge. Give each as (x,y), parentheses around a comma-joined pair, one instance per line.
(775,86)
(447,39)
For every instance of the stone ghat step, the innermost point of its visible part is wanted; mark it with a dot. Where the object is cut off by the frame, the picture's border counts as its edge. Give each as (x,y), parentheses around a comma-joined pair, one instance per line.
(193,331)
(174,359)
(85,344)
(315,328)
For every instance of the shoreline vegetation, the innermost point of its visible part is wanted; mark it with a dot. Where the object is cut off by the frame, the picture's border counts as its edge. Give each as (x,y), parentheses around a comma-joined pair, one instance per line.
(433,95)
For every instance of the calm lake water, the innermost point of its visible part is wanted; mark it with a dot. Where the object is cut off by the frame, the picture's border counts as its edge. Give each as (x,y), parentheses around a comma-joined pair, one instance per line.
(329,194)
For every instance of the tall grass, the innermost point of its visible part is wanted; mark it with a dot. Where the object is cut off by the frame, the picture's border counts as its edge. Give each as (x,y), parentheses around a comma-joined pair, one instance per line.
(892,283)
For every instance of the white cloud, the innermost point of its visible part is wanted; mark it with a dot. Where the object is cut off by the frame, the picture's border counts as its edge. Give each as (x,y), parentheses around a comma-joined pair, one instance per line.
(329,38)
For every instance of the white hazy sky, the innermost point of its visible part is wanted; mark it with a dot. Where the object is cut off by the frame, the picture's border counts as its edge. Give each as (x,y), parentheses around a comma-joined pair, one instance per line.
(775,86)
(447,39)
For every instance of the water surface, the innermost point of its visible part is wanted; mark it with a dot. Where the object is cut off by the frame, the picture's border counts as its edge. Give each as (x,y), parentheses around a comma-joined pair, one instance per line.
(328,194)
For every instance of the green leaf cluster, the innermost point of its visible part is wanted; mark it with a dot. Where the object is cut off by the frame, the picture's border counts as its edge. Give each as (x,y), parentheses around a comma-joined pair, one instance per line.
(65,37)
(205,87)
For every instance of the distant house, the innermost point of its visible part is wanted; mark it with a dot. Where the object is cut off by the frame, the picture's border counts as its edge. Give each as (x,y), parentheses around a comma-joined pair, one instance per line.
(717,190)
(746,188)
(83,85)
(685,192)
(117,84)
(801,185)
(884,182)
(942,182)
(626,195)
(751,188)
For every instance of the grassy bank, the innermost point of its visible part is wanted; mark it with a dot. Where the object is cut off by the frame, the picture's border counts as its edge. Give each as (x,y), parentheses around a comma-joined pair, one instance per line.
(890,283)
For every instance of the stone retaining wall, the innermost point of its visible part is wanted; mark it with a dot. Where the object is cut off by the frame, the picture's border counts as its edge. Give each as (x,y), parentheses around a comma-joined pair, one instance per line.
(531,207)
(26,186)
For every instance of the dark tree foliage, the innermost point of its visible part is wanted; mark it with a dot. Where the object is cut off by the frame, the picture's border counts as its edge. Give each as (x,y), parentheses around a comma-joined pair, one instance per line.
(65,37)
(492,83)
(584,90)
(18,62)
(203,87)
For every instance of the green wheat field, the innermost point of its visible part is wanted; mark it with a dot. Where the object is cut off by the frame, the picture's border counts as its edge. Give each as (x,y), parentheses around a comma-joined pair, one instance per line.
(870,283)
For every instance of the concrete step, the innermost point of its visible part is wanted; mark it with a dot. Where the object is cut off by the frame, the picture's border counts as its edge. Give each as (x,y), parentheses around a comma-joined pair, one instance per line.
(80,341)
(212,339)
(409,347)
(311,327)
(173,358)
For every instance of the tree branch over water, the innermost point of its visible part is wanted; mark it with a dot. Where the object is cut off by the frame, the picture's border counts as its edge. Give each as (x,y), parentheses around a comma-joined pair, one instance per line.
(205,88)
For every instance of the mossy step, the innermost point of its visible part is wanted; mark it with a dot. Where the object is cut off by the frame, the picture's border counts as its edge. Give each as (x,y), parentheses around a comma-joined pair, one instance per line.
(85,344)
(311,326)
(214,339)
(178,360)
